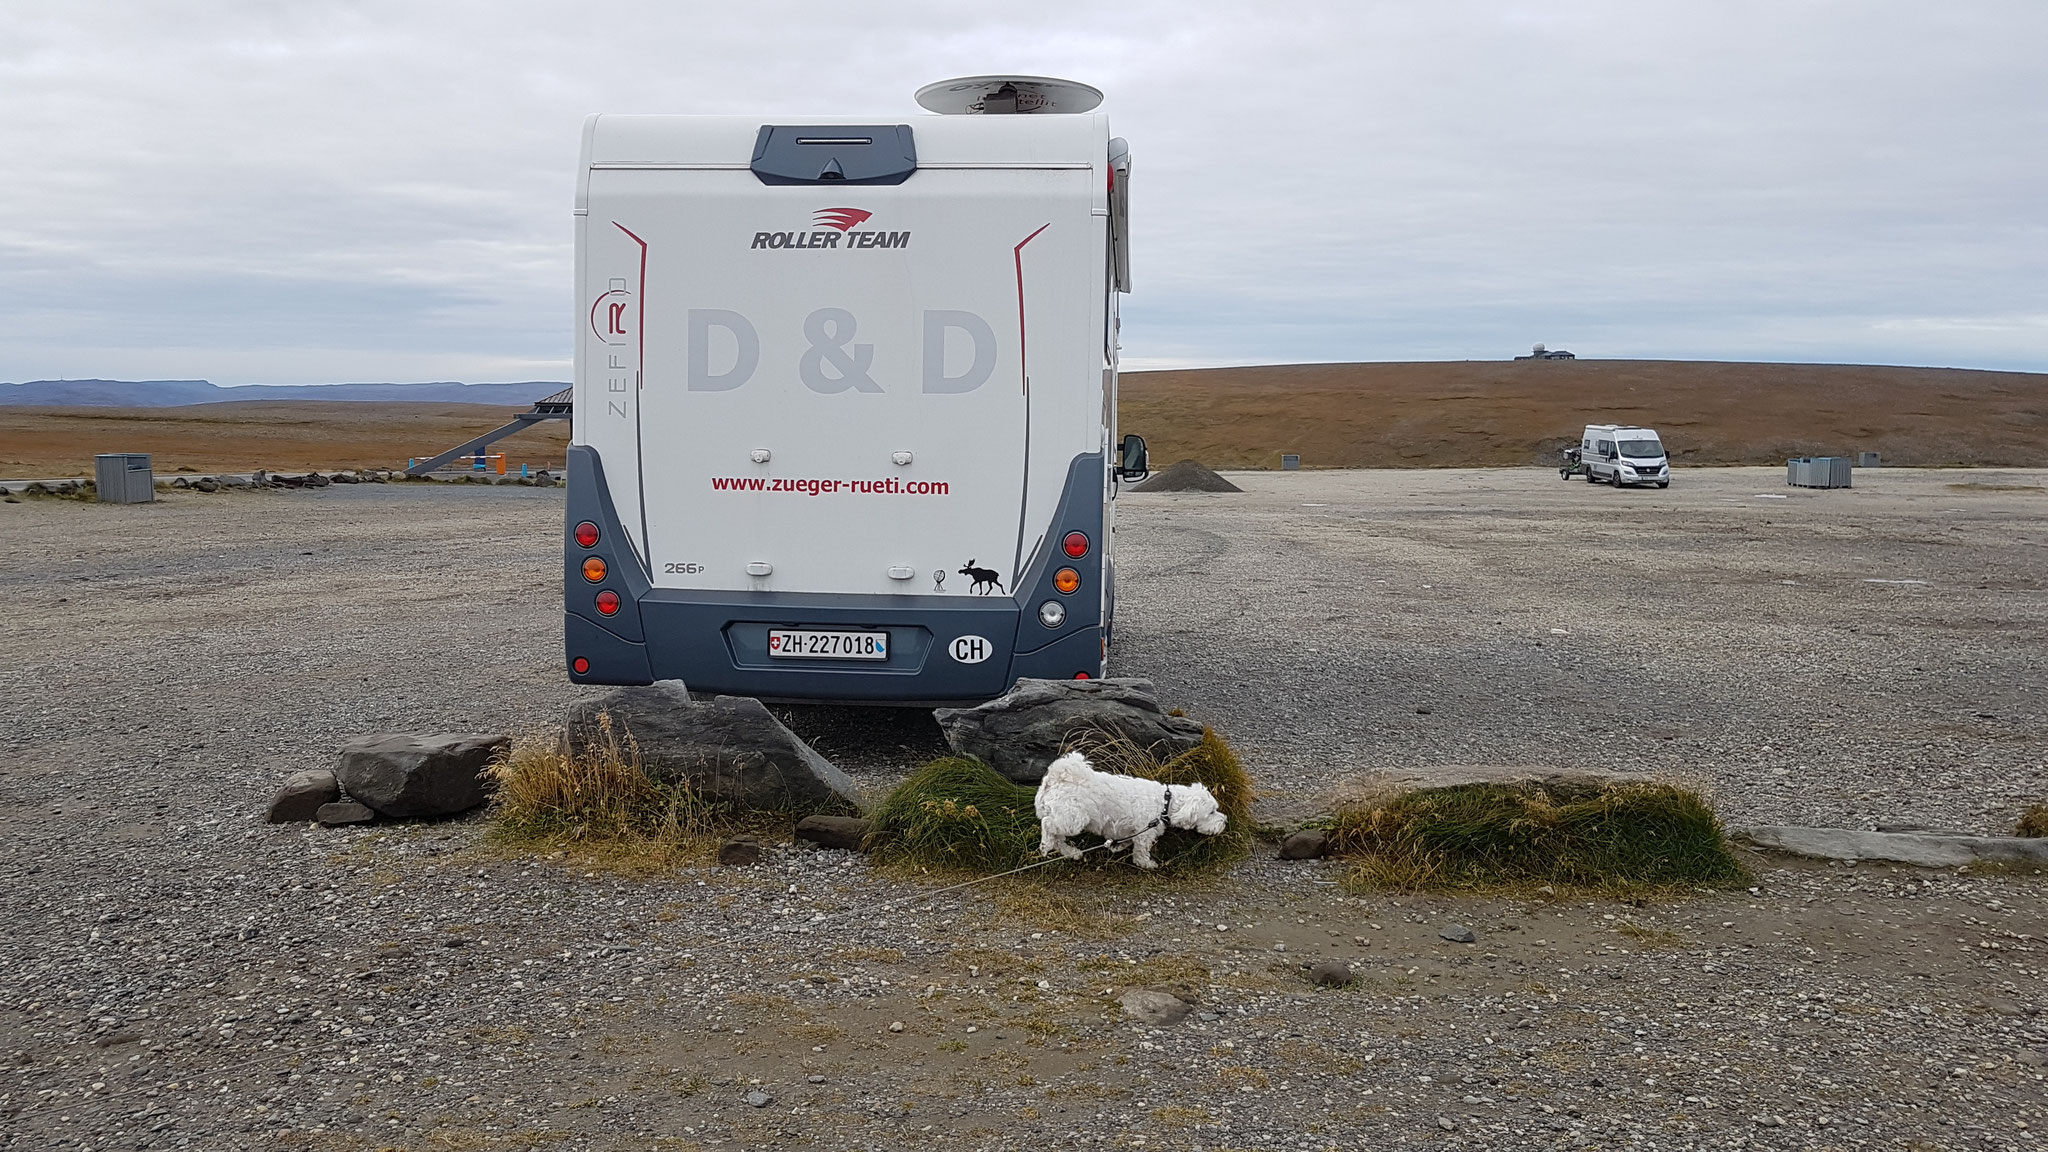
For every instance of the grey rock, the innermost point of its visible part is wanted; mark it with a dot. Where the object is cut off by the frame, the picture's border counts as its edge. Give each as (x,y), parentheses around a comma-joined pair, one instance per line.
(730,750)
(1029,727)
(346,478)
(1459,934)
(758,1099)
(739,853)
(343,812)
(1331,974)
(1919,849)
(847,832)
(814,1078)
(407,777)
(206,484)
(1159,1009)
(302,795)
(1901,824)
(1307,844)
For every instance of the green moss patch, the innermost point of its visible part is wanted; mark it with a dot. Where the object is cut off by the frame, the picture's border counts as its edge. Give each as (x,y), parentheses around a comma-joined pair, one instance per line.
(961,815)
(1619,837)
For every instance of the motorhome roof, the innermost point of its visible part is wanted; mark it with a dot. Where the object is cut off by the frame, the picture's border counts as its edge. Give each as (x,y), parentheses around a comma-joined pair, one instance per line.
(1620,428)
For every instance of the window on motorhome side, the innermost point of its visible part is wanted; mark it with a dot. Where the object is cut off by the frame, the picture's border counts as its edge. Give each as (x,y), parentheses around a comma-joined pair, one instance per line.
(1607,447)
(1642,449)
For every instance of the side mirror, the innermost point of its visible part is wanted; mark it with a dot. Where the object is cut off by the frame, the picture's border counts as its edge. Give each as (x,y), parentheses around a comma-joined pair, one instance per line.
(1132,463)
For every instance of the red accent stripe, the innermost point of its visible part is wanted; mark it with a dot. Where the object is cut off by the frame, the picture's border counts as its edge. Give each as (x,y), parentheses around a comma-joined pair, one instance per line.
(1023,364)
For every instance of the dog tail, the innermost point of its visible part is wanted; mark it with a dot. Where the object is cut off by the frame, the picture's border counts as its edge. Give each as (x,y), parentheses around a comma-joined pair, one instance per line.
(1066,770)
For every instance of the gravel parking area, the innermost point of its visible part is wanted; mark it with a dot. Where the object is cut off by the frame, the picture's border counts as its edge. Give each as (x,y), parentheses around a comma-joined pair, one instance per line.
(176,974)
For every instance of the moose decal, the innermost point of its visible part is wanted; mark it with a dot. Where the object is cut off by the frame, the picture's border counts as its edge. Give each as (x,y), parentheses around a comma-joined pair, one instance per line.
(984,580)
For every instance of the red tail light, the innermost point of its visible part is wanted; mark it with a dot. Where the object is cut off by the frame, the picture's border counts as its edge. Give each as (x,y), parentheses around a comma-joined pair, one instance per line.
(1080,676)
(608,602)
(1076,545)
(586,534)
(580,664)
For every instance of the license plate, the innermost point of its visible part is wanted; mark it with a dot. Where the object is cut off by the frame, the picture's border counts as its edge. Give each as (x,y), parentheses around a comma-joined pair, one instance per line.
(807,645)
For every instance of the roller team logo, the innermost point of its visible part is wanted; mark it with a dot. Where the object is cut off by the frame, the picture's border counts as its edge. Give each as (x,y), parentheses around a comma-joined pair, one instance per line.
(838,228)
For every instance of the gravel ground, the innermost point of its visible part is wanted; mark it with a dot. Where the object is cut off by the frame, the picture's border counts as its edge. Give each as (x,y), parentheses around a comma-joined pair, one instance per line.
(176,974)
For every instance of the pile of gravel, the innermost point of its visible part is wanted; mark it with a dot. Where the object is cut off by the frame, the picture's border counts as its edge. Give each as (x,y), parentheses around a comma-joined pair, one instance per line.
(1187,476)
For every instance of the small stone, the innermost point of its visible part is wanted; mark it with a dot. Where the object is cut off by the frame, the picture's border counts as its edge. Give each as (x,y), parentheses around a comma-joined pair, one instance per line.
(343,812)
(1447,1124)
(895,1025)
(1279,947)
(1330,974)
(1307,844)
(843,832)
(1159,1009)
(1208,1017)
(816,1079)
(758,1099)
(1459,934)
(739,853)
(302,796)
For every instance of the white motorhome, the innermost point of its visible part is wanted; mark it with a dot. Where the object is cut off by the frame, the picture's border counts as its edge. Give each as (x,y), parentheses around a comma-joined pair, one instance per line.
(845,398)
(1621,454)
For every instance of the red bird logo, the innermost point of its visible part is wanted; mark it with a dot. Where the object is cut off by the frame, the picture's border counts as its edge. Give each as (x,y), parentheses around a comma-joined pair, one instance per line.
(840,218)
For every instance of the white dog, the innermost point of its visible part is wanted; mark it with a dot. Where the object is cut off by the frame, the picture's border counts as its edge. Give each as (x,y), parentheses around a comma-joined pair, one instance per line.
(1075,798)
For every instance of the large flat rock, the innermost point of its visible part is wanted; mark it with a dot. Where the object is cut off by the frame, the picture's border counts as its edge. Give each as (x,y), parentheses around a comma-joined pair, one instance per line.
(407,776)
(1022,731)
(1922,849)
(729,750)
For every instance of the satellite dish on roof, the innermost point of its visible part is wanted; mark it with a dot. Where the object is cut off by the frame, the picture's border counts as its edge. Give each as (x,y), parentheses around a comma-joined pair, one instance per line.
(1007,96)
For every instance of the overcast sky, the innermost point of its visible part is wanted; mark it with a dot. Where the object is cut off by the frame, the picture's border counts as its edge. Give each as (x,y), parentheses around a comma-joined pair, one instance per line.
(314,192)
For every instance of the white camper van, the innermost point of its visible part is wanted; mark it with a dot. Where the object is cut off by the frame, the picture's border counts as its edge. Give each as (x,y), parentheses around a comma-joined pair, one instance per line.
(1621,454)
(845,408)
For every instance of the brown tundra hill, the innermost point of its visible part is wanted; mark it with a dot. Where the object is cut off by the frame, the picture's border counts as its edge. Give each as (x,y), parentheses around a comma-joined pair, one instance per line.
(1475,413)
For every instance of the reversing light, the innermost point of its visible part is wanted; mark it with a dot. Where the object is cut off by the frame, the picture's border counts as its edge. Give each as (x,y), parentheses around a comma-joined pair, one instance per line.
(593,569)
(586,534)
(1052,613)
(608,602)
(1067,581)
(581,664)
(1076,544)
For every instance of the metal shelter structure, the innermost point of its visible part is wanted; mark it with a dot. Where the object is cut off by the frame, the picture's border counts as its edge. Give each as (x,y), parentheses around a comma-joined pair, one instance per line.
(554,406)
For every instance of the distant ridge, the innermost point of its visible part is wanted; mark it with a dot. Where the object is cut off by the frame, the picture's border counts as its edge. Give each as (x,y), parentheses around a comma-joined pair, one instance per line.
(177,393)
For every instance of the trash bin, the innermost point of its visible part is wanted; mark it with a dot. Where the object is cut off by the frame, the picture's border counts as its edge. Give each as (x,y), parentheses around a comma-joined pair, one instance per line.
(1290,462)
(124,478)
(1866,460)
(1818,472)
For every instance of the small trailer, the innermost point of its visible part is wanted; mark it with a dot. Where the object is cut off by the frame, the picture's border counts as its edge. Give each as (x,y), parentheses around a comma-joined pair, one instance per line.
(845,398)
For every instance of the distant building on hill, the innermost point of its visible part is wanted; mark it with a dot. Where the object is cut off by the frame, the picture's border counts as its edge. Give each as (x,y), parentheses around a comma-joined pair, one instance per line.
(1539,352)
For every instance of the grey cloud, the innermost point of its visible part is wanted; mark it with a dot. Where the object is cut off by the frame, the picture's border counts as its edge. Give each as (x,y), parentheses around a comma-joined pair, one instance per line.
(298,193)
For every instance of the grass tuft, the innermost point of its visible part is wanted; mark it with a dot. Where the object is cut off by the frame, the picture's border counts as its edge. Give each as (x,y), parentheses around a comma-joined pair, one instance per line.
(1620,838)
(959,814)
(2032,822)
(601,803)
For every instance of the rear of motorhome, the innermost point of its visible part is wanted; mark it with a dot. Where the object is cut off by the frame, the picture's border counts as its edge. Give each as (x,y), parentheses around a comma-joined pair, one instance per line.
(1622,454)
(845,409)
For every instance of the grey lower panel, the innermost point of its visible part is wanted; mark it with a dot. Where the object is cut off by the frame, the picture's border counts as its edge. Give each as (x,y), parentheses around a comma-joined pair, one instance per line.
(718,643)
(1072,655)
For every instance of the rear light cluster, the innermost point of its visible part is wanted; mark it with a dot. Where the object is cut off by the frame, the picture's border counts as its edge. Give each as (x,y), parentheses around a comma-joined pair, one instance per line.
(1066,581)
(594,570)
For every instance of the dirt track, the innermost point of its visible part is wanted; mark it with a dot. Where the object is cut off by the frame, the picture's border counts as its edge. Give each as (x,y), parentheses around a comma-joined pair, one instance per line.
(178,975)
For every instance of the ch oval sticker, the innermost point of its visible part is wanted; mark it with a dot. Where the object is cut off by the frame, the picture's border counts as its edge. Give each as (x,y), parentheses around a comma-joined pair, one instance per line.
(971,649)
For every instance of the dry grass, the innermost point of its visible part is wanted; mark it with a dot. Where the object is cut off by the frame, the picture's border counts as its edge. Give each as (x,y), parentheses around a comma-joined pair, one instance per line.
(1615,838)
(958,814)
(602,804)
(1479,413)
(2032,822)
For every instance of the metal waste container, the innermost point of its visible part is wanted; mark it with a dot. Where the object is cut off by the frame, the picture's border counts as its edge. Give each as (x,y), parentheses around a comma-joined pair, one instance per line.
(1866,460)
(1818,472)
(124,478)
(1289,462)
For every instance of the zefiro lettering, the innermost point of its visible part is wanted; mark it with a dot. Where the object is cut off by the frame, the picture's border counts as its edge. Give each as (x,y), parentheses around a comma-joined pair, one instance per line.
(812,240)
